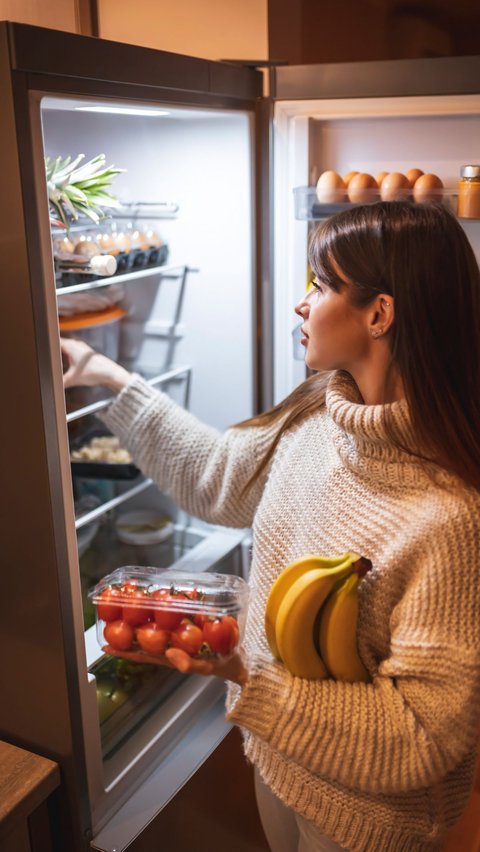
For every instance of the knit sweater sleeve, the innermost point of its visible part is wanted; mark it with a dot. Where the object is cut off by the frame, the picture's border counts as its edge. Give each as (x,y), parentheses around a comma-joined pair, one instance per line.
(419,717)
(203,470)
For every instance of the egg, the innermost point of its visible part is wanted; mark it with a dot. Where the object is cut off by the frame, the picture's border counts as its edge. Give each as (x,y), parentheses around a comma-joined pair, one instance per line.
(153,239)
(140,240)
(380,177)
(63,245)
(427,188)
(347,178)
(330,188)
(413,175)
(87,247)
(107,244)
(122,241)
(362,188)
(394,186)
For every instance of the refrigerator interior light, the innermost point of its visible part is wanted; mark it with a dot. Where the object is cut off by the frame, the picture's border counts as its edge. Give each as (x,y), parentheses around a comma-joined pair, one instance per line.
(123,110)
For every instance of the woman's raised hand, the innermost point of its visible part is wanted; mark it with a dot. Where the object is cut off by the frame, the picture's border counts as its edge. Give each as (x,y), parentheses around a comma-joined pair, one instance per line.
(85,366)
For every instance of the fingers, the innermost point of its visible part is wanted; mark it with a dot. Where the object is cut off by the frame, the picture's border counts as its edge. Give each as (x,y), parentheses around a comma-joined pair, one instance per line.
(186,664)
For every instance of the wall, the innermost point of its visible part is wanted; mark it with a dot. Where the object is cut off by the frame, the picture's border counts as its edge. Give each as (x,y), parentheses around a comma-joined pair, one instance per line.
(212,29)
(55,14)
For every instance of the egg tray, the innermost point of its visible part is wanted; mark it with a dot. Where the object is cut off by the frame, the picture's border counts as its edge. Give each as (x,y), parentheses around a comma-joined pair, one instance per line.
(126,262)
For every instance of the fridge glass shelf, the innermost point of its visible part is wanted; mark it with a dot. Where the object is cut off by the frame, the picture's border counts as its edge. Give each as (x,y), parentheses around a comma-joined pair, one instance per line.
(309,208)
(135,275)
(131,210)
(162,379)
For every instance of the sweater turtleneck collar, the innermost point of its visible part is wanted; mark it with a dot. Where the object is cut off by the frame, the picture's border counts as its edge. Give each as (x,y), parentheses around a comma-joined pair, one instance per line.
(366,435)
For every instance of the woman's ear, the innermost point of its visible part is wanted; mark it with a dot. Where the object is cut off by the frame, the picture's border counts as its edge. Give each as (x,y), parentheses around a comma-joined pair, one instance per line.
(382,315)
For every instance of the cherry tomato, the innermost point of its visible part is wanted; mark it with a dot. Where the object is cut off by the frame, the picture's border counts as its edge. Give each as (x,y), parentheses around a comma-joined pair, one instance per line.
(200,619)
(107,609)
(188,637)
(137,610)
(222,634)
(167,619)
(119,635)
(152,638)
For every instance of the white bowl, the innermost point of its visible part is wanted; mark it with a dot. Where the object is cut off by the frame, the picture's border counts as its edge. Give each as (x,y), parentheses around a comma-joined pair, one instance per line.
(144,526)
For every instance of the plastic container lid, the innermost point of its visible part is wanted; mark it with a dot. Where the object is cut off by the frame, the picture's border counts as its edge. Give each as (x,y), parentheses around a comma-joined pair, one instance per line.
(91,318)
(192,593)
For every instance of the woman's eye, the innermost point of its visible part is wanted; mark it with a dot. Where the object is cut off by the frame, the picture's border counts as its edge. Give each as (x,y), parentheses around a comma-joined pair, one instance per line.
(317,286)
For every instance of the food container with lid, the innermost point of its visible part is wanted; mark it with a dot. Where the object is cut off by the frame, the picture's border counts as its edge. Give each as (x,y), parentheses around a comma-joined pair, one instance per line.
(148,610)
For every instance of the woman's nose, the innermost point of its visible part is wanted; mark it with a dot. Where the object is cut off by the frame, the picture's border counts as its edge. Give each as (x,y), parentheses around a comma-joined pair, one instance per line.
(302,308)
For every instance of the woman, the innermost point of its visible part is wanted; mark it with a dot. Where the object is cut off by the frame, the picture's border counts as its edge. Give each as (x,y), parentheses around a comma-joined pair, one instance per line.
(378,453)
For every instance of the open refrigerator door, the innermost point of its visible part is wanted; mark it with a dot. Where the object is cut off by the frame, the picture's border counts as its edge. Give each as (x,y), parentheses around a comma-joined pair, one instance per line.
(164,283)
(380,120)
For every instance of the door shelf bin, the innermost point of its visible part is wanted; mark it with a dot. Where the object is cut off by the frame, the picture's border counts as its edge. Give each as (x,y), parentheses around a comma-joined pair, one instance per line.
(308,207)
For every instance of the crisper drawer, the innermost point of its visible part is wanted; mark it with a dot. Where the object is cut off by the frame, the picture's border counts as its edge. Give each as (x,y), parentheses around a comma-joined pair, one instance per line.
(141,717)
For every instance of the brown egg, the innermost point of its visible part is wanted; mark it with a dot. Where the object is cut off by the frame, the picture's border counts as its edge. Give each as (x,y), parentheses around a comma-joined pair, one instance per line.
(153,238)
(427,188)
(362,189)
(63,245)
(394,186)
(122,241)
(86,246)
(330,188)
(107,243)
(347,178)
(380,177)
(413,175)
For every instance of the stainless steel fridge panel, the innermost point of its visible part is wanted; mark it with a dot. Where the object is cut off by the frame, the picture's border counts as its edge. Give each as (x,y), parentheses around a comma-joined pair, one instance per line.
(188,754)
(391,78)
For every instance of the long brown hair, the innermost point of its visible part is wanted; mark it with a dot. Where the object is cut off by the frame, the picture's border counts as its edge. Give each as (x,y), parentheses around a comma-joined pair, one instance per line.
(420,255)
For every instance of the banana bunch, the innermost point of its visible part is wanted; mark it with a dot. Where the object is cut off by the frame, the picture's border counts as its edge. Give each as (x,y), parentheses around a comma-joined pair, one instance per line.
(311,617)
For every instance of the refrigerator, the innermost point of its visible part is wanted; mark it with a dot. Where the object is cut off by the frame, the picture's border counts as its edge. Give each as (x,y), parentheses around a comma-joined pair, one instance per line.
(223,164)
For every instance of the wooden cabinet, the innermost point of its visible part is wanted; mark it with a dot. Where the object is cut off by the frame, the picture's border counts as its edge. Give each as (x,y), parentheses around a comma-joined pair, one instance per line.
(26,782)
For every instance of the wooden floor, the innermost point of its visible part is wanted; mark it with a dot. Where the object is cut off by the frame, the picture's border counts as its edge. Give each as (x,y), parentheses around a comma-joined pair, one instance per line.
(215,811)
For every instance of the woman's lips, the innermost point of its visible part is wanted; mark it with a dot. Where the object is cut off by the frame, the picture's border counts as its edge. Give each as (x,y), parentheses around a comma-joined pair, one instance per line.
(304,338)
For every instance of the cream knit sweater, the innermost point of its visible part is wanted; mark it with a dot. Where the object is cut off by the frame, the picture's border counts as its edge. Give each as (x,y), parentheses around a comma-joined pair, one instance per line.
(381,766)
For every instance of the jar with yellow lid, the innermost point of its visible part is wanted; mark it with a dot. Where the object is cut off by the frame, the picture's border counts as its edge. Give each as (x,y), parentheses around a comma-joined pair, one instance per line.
(469,193)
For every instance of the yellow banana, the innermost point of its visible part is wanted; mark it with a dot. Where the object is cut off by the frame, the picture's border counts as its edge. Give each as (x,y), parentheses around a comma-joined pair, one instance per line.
(296,621)
(338,633)
(282,584)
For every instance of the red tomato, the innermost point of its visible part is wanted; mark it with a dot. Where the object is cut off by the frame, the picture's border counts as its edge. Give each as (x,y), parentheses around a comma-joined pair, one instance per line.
(107,609)
(222,634)
(188,637)
(152,638)
(167,619)
(137,611)
(200,619)
(119,635)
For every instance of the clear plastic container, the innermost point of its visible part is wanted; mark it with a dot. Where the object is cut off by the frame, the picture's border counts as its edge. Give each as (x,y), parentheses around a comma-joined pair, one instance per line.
(148,610)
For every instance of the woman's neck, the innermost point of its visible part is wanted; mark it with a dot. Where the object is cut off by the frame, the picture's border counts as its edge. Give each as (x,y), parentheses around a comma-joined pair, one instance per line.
(379,383)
